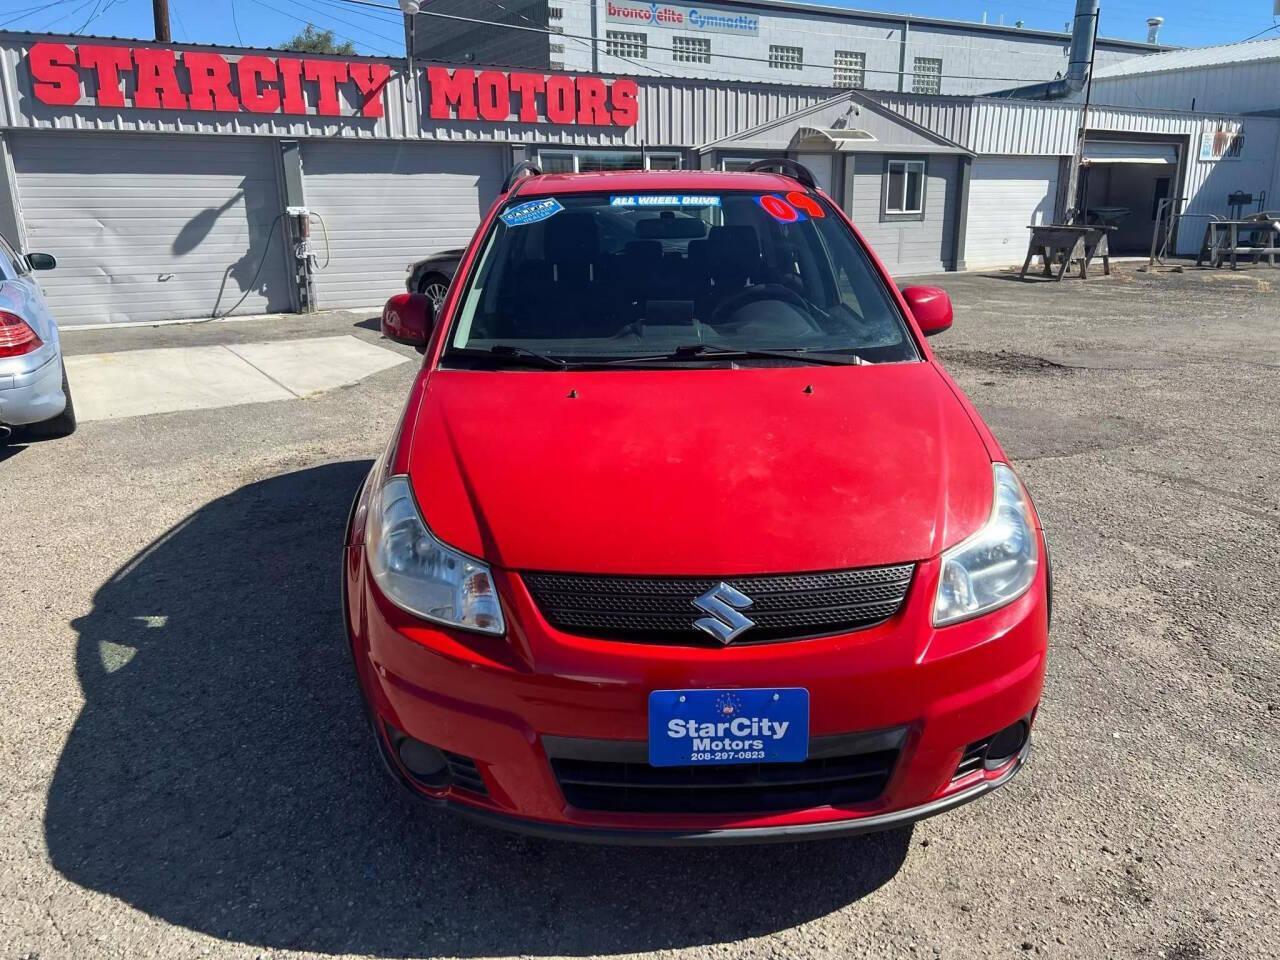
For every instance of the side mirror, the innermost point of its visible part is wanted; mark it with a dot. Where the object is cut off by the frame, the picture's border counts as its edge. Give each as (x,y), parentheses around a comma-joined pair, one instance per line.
(931,307)
(408,318)
(41,261)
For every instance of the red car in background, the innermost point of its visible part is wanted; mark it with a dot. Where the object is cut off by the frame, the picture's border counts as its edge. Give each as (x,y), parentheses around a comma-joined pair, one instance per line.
(684,535)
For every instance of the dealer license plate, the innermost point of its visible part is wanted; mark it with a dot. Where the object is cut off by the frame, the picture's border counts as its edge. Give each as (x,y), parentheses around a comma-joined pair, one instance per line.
(696,727)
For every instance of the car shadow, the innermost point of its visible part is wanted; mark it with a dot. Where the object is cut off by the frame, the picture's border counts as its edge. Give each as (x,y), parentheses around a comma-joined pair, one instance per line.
(220,777)
(370,323)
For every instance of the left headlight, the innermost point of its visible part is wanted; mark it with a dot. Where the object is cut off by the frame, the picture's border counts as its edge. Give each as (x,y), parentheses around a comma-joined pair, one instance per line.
(420,574)
(996,565)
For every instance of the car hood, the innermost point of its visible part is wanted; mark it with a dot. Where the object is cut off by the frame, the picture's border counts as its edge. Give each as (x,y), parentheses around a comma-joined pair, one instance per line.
(698,472)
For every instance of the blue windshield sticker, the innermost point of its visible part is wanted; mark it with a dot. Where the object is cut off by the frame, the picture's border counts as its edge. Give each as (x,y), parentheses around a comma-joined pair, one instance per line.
(664,200)
(534,211)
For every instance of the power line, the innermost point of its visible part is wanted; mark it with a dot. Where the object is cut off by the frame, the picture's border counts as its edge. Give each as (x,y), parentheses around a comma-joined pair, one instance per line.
(30,11)
(236,23)
(350,23)
(1273,26)
(723,56)
(311,22)
(66,15)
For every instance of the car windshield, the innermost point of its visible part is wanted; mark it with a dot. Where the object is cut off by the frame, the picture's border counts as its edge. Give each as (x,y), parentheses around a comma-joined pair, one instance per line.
(591,277)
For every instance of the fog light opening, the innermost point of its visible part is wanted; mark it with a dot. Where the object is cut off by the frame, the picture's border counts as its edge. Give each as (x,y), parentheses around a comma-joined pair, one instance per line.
(424,764)
(1006,745)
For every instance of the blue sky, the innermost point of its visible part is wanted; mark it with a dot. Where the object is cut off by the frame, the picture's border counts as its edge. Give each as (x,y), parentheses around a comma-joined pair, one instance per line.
(271,22)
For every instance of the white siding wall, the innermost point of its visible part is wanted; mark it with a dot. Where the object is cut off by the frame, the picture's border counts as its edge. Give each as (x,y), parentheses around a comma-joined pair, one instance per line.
(1006,195)
(385,205)
(1230,87)
(153,228)
(910,246)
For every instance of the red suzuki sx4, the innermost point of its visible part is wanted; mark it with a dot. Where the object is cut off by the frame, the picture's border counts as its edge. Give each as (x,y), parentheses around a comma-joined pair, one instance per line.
(684,535)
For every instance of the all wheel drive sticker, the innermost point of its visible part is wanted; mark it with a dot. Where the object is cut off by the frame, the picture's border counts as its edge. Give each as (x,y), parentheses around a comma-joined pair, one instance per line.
(158,78)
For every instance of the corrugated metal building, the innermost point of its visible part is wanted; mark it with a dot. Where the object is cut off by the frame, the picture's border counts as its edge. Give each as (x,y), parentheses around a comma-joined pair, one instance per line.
(175,182)
(1235,77)
(1134,157)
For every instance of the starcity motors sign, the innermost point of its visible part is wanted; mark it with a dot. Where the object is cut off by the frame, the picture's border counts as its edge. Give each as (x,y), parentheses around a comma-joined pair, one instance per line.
(155,78)
(681,18)
(497,96)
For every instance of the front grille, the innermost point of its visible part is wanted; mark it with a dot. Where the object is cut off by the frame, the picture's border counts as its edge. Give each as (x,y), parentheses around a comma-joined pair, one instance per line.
(465,774)
(661,610)
(615,777)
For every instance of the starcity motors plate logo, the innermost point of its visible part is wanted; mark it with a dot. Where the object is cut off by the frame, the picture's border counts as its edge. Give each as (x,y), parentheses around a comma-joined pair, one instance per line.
(680,18)
(733,731)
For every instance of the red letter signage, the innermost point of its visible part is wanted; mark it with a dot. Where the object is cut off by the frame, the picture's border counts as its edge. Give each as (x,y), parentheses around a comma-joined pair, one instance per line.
(202,80)
(107,62)
(53,72)
(97,75)
(462,95)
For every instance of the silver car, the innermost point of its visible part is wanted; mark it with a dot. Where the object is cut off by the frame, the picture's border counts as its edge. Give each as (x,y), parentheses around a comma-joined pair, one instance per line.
(34,396)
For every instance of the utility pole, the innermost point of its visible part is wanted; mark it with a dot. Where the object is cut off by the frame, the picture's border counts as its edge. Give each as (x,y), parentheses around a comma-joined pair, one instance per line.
(160,10)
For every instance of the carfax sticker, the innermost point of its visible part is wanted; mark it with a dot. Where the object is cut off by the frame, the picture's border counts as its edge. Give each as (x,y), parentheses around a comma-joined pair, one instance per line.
(534,211)
(660,200)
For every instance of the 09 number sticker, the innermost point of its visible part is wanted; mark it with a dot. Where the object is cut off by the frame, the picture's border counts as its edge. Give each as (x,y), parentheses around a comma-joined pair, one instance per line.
(791,208)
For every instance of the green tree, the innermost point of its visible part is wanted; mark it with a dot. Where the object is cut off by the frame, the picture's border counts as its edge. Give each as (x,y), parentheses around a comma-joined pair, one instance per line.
(312,40)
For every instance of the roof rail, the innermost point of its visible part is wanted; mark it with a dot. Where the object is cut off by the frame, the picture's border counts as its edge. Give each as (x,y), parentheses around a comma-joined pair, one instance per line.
(525,168)
(786,166)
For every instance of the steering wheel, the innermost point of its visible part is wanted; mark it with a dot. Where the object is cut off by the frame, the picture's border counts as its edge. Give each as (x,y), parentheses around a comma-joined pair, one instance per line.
(763,291)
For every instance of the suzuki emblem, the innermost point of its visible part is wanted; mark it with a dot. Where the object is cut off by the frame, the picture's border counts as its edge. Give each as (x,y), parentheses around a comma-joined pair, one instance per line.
(723,602)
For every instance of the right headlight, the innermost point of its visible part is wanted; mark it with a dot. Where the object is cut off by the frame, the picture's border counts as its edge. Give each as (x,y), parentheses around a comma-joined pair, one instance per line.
(996,565)
(419,573)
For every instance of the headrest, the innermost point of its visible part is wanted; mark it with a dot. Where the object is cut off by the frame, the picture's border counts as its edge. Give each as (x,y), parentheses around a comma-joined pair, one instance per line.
(643,251)
(572,237)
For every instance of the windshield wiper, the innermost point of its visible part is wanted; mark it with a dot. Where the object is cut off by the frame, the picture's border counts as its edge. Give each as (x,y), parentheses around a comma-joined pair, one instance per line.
(511,351)
(703,351)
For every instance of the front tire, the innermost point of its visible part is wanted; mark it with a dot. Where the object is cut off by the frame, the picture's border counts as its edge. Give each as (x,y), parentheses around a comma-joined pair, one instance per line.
(64,424)
(434,286)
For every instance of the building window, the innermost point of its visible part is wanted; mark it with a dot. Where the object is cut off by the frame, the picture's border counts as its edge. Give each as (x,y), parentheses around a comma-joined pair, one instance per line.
(621,43)
(555,47)
(662,161)
(786,58)
(927,75)
(555,13)
(691,49)
(555,64)
(850,69)
(737,164)
(586,161)
(904,182)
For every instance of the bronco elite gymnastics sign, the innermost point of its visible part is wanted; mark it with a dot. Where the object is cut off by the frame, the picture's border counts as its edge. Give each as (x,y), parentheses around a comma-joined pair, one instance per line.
(681,18)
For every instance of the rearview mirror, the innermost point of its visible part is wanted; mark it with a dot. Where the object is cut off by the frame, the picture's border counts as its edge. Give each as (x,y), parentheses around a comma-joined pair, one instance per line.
(41,261)
(931,307)
(408,318)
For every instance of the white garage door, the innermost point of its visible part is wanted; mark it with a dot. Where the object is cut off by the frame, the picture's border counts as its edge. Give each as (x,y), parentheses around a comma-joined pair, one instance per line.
(153,228)
(386,205)
(1006,195)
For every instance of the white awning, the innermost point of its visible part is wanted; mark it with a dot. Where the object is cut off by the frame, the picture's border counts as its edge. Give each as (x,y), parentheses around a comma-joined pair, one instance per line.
(830,138)
(1125,151)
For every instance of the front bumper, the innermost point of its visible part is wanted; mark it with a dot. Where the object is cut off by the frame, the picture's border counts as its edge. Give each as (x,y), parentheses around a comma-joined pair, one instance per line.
(31,392)
(500,701)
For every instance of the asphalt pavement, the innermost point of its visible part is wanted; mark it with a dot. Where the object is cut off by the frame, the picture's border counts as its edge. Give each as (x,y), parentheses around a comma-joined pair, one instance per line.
(184,770)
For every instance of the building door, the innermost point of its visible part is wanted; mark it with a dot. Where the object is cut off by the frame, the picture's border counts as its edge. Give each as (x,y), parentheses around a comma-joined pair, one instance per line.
(381,206)
(150,228)
(1007,195)
(820,165)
